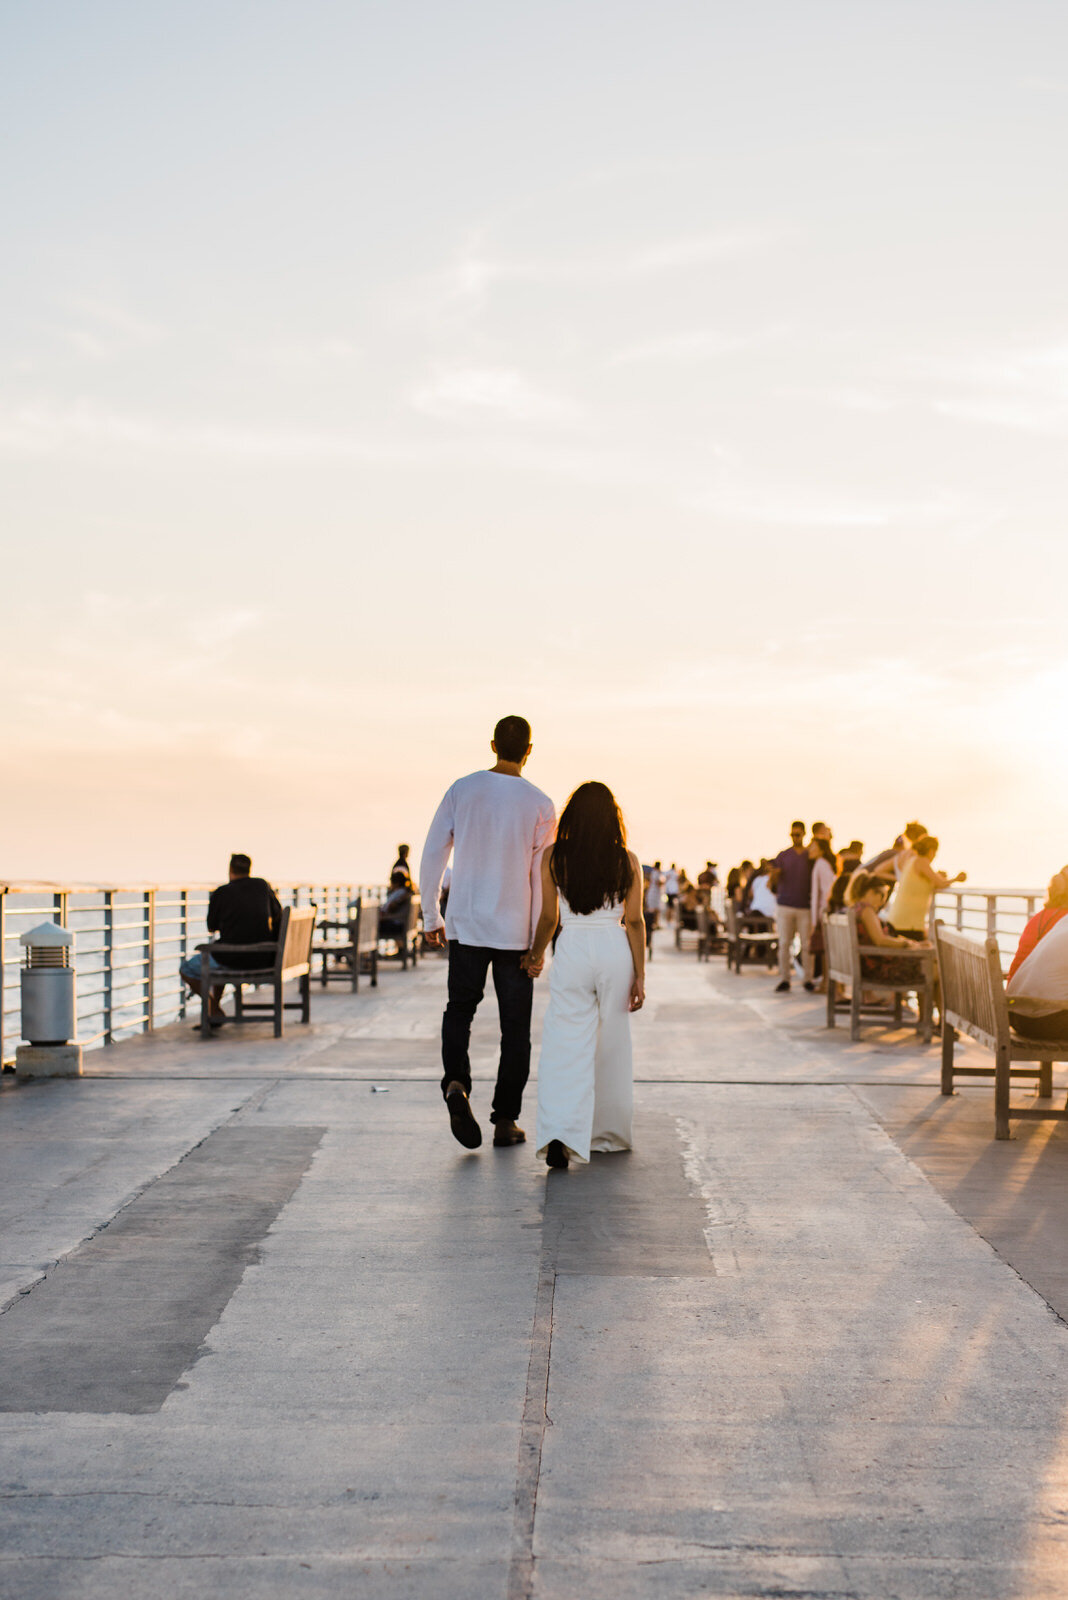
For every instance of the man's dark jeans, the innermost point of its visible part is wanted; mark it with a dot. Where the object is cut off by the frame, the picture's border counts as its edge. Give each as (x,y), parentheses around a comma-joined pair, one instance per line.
(468,966)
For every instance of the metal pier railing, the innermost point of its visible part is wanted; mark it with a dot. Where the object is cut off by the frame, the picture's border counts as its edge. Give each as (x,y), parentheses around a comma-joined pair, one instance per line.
(128,943)
(999,914)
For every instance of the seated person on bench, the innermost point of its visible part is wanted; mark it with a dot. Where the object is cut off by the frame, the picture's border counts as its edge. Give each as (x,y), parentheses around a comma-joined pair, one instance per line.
(243,911)
(1037,986)
(393,915)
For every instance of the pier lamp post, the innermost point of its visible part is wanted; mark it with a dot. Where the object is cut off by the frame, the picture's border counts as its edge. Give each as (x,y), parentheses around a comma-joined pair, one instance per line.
(48,1006)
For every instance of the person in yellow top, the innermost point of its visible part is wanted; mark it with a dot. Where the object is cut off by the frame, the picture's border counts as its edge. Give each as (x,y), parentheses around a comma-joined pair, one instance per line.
(911,900)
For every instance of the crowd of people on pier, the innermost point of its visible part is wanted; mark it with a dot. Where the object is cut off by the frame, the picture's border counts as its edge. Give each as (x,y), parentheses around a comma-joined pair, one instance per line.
(790,892)
(502,878)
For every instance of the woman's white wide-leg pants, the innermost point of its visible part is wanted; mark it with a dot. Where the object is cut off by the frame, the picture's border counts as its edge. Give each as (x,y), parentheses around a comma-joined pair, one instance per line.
(585,1071)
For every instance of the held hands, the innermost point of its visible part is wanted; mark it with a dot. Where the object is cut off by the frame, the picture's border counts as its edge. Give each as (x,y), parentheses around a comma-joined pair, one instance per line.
(637,995)
(532,962)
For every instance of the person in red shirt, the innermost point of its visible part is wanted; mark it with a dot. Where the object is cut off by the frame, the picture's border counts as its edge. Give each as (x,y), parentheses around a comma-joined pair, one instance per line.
(1038,1015)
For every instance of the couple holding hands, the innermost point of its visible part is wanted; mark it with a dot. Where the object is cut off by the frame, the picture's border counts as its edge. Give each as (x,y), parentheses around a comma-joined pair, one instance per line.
(514,870)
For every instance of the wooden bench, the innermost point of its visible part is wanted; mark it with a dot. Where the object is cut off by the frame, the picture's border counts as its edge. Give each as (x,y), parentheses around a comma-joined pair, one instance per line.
(408,947)
(751,947)
(357,953)
(842,953)
(705,941)
(292,959)
(974,1002)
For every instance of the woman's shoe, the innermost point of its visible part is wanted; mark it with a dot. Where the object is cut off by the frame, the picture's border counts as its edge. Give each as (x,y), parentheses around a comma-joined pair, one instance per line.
(555,1154)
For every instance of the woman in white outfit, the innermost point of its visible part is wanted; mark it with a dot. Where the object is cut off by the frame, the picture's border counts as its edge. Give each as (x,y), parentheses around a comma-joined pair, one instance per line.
(592,883)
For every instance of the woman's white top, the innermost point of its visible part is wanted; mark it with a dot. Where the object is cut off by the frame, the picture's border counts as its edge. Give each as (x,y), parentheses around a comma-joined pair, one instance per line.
(610,916)
(1039,986)
(822,879)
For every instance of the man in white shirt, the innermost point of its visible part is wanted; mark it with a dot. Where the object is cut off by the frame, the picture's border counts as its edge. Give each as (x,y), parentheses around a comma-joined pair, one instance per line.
(497,826)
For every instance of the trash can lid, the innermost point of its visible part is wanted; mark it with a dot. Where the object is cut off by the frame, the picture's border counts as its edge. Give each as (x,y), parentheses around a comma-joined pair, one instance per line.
(47,934)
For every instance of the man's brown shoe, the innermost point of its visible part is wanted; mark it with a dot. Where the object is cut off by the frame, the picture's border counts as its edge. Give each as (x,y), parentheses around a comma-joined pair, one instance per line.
(508,1133)
(461,1117)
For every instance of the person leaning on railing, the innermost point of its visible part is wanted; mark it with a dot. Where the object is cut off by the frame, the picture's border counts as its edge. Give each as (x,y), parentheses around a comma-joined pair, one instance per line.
(919,882)
(1037,985)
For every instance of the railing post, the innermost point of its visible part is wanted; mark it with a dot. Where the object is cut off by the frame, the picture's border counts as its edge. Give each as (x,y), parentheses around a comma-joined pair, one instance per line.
(3,971)
(960,912)
(991,916)
(109,961)
(150,958)
(183,947)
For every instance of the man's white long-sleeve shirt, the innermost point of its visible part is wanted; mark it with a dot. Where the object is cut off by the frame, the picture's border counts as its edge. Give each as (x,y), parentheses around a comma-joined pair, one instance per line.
(497,827)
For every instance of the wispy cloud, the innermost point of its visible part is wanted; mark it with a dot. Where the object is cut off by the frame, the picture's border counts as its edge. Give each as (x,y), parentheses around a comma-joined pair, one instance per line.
(805,508)
(311,355)
(1023,387)
(693,347)
(495,391)
(101,330)
(477,267)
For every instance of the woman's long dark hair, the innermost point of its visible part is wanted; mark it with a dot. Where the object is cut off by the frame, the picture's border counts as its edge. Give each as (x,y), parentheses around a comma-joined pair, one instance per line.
(590,864)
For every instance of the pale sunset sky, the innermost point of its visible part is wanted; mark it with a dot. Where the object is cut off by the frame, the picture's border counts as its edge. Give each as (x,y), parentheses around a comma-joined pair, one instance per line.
(690,378)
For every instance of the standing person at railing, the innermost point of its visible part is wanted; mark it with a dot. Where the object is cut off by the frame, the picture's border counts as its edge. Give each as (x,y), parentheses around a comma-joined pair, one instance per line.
(919,883)
(402,864)
(1037,986)
(243,911)
(890,864)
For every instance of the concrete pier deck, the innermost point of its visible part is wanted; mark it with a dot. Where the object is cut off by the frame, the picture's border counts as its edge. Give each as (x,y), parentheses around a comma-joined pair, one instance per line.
(270,1332)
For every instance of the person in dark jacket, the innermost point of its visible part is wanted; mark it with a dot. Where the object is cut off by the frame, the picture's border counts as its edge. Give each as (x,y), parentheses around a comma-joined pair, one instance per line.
(393,916)
(245,910)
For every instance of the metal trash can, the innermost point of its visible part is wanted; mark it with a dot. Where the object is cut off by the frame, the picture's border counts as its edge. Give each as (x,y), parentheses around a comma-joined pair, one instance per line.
(47,985)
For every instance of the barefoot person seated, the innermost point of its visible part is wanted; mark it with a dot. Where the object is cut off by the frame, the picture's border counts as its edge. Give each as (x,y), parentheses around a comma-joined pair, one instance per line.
(243,911)
(1037,986)
(868,893)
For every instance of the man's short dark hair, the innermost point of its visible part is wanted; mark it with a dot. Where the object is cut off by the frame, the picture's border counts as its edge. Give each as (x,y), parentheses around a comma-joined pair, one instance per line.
(512,738)
(242,865)
(795,825)
(402,849)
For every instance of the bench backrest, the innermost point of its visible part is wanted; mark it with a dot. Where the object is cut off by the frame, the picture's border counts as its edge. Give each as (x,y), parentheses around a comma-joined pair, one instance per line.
(365,928)
(842,952)
(295,937)
(973,989)
(415,907)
